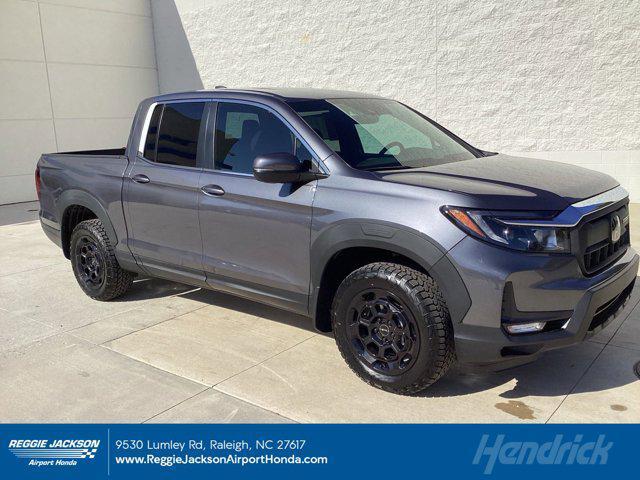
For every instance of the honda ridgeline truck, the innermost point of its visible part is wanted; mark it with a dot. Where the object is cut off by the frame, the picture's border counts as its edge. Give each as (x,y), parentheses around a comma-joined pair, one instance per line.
(413,247)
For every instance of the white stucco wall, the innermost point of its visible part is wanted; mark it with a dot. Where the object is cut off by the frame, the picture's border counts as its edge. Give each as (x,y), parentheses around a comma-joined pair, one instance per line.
(71,75)
(557,79)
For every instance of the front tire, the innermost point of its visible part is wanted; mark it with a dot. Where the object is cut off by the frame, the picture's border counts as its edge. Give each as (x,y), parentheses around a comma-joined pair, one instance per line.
(392,327)
(94,262)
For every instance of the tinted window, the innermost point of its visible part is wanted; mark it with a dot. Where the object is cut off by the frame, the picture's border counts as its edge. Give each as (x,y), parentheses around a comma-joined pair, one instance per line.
(320,121)
(177,142)
(303,154)
(152,134)
(373,134)
(244,132)
(235,121)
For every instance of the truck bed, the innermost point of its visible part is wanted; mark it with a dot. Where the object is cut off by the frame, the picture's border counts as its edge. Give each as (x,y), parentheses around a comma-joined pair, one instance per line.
(92,179)
(98,153)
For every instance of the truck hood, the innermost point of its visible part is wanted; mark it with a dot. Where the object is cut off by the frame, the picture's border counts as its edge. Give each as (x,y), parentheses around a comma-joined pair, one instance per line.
(506,182)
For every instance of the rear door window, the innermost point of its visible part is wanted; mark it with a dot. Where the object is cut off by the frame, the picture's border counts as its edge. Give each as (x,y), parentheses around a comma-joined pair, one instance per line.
(173,134)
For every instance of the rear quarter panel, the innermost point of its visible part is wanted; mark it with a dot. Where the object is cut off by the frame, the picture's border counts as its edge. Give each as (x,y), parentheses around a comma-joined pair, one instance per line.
(94,181)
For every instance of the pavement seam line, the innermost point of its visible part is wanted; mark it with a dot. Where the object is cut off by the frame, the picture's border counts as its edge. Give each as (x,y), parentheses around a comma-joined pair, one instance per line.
(624,347)
(27,222)
(251,402)
(143,303)
(71,330)
(31,269)
(586,370)
(222,393)
(31,342)
(215,385)
(594,360)
(212,387)
(144,363)
(263,361)
(173,406)
(145,328)
(635,349)
(182,376)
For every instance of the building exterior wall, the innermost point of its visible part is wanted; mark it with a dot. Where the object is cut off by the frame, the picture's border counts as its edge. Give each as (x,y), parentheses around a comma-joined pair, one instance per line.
(555,79)
(71,75)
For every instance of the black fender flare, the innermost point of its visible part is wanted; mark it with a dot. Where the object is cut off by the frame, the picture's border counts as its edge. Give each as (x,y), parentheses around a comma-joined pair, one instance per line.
(395,238)
(84,199)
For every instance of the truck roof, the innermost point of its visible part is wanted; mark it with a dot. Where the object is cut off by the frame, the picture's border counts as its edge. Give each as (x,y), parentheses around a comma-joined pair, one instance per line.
(286,94)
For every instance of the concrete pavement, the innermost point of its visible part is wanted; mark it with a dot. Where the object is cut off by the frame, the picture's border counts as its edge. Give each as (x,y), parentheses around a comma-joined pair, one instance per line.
(171,353)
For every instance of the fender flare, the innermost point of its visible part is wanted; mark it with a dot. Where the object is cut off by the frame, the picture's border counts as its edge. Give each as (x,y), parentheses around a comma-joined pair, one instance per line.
(409,243)
(85,199)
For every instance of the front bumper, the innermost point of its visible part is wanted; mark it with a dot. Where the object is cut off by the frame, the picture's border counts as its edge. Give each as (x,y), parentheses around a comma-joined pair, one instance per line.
(540,283)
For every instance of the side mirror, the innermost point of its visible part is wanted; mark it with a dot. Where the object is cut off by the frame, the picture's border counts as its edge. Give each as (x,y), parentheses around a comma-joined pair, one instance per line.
(281,168)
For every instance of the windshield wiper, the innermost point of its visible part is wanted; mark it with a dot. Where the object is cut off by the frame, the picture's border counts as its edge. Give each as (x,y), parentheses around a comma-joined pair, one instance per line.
(394,167)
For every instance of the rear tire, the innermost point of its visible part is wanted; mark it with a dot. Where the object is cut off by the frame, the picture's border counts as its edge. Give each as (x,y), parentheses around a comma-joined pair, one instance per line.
(94,262)
(392,327)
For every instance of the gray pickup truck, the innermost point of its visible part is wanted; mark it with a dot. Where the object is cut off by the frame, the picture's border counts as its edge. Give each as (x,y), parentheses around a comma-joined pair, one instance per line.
(415,248)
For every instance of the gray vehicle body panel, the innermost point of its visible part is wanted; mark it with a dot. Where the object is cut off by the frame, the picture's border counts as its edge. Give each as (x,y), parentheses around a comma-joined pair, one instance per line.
(94,182)
(272,242)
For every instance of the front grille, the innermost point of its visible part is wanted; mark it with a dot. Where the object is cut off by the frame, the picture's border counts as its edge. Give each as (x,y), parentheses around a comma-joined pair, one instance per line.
(598,255)
(599,250)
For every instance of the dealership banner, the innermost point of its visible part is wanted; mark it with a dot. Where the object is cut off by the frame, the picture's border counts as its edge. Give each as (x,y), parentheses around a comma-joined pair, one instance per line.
(315,451)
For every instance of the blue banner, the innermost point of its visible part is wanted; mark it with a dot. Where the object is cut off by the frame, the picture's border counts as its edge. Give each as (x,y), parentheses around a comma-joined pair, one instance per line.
(125,451)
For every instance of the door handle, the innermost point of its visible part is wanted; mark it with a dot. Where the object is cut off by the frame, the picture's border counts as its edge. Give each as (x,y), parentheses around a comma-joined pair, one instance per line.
(140,178)
(212,190)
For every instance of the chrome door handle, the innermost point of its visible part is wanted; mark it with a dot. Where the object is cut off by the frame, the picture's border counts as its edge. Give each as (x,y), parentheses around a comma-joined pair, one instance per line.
(140,178)
(212,190)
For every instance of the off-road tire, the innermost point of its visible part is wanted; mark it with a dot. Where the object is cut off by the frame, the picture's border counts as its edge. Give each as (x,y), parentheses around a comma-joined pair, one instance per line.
(421,295)
(115,281)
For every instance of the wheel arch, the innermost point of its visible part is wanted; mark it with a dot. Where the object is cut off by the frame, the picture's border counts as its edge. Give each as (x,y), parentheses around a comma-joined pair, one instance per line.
(76,206)
(349,245)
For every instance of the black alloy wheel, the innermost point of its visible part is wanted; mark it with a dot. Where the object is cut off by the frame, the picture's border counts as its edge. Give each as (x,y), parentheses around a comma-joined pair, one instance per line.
(392,326)
(383,332)
(90,263)
(94,262)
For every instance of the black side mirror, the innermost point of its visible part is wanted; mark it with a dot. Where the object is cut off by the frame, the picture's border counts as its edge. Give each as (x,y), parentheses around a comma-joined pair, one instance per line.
(281,168)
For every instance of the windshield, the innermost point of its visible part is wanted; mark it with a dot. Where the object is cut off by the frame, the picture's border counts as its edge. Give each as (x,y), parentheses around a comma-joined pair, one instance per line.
(378,134)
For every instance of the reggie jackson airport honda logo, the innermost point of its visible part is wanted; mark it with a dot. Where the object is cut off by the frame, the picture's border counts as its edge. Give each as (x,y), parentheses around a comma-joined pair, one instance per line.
(555,452)
(42,453)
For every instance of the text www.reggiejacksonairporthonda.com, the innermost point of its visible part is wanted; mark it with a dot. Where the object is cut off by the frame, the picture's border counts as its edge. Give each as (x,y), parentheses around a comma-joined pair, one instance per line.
(231,459)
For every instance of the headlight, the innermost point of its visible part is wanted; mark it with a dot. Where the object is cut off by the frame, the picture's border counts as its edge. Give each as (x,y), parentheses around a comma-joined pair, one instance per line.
(495,227)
